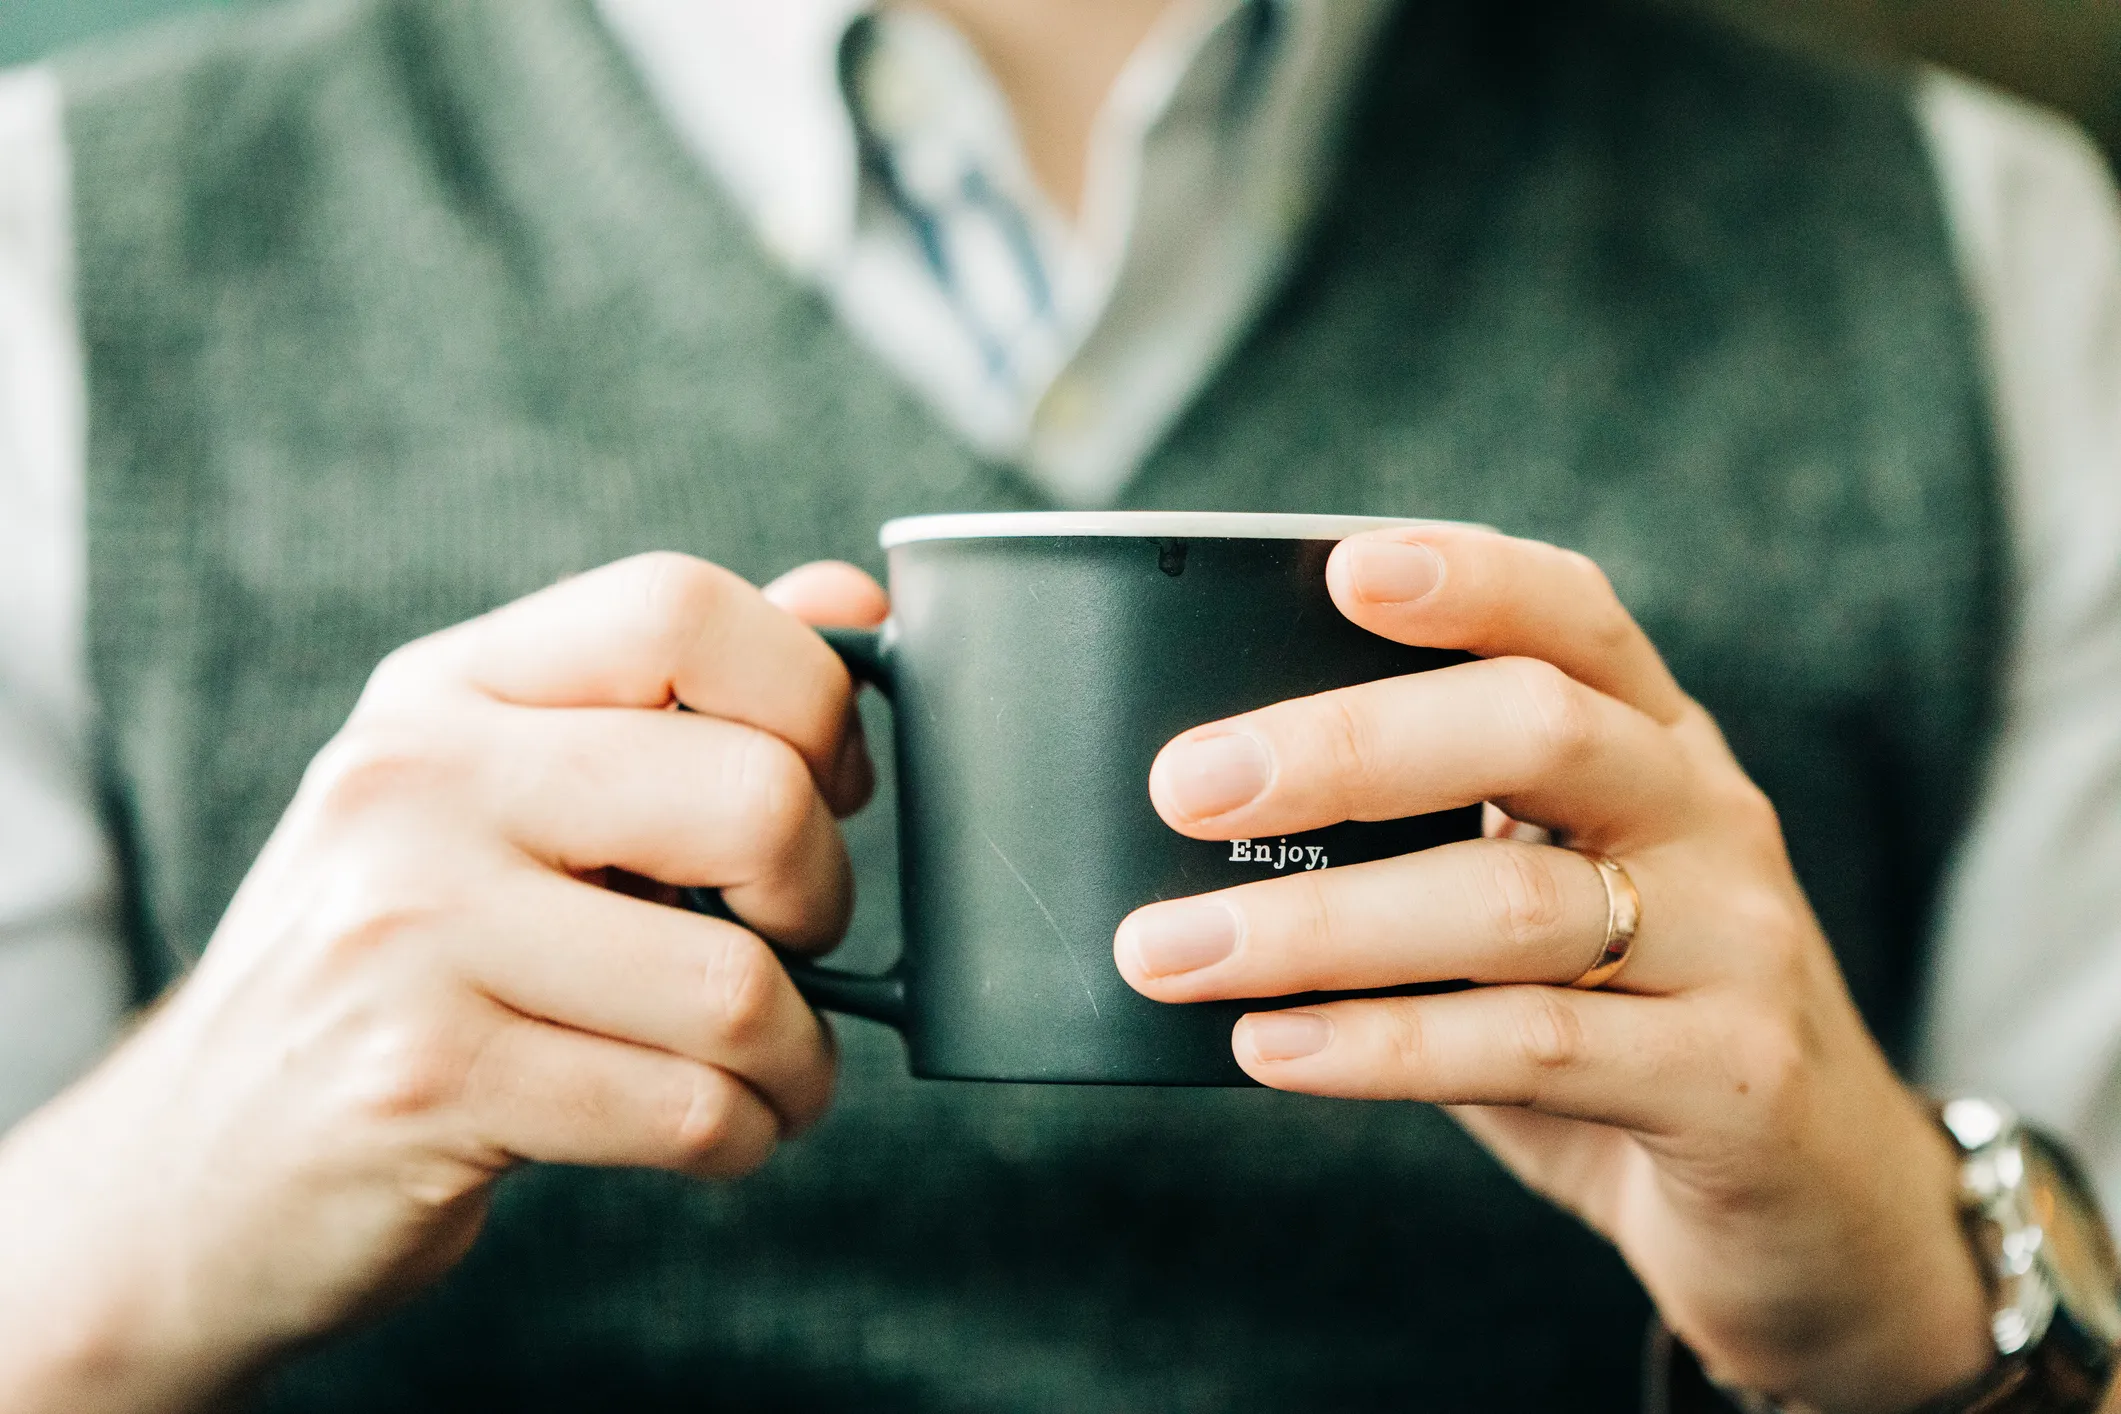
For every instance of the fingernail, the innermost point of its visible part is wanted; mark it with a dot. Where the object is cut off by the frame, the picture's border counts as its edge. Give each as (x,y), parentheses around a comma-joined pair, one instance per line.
(1392,572)
(1212,776)
(1287,1035)
(1182,937)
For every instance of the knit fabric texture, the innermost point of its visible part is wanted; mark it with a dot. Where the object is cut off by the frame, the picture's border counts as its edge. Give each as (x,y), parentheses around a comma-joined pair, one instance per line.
(397,310)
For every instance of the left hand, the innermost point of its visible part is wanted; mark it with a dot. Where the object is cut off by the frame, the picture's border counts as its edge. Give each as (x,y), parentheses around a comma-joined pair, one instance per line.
(1719,1111)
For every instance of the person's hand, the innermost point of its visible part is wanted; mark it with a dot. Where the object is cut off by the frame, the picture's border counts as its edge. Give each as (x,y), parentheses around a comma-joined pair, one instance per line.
(423,982)
(1720,1113)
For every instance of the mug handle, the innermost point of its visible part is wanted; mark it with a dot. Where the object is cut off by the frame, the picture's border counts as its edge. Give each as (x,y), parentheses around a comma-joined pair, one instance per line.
(882,997)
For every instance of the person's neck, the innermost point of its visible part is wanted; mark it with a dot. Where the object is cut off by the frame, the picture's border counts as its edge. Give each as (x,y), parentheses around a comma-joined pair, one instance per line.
(1055,61)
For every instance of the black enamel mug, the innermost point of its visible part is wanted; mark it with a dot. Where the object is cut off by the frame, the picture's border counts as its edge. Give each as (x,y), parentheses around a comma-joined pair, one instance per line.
(1036,664)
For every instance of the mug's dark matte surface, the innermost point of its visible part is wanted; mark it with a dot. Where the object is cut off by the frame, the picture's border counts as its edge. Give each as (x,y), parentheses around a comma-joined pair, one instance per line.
(1033,681)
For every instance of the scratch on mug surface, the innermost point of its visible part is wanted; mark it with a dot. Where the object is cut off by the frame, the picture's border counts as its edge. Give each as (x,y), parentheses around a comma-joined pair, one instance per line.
(1051,922)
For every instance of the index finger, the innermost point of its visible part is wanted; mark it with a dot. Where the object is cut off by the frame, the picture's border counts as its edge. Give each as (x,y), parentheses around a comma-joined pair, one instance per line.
(1455,586)
(654,631)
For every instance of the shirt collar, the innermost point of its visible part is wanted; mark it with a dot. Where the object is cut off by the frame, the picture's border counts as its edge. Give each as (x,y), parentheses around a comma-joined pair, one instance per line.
(756,91)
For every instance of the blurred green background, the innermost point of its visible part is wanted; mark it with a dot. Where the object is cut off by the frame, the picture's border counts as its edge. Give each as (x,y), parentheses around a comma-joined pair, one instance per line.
(30,29)
(2065,53)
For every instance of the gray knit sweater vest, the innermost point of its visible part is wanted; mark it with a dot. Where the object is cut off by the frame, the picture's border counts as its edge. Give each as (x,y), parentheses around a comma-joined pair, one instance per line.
(396,310)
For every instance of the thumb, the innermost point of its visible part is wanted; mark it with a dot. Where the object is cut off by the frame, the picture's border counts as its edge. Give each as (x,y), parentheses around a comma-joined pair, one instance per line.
(835,594)
(830,594)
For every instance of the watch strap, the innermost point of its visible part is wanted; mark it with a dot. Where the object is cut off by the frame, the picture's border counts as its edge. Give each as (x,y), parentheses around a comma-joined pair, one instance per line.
(2038,1383)
(1674,1383)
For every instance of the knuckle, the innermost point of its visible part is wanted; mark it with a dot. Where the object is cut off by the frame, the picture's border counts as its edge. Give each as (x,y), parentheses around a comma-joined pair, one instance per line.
(1586,569)
(774,786)
(1548,1034)
(742,985)
(1555,714)
(1771,1058)
(1791,966)
(1349,735)
(373,765)
(1406,1039)
(1748,808)
(1758,915)
(717,1132)
(680,595)
(705,1120)
(1524,898)
(1781,956)
(1315,908)
(411,1069)
(377,920)
(398,674)
(438,1183)
(1607,623)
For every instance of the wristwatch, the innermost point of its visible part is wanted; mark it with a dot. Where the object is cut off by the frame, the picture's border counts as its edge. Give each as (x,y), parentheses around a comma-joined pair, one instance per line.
(2050,1264)
(2052,1273)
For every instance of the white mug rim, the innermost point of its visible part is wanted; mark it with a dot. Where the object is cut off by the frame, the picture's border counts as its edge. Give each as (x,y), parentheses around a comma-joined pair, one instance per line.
(1149,525)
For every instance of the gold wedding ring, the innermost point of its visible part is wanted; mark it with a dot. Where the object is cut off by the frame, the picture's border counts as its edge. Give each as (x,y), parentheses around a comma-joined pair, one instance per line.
(1623,915)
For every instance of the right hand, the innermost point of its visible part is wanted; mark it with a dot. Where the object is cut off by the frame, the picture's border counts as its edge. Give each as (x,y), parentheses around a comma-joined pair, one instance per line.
(421,982)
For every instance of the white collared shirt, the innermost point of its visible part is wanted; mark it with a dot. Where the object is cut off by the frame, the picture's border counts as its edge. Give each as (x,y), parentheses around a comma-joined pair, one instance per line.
(1178,245)
(1205,161)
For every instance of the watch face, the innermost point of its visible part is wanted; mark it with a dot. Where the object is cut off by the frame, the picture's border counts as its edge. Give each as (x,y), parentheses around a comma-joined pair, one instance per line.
(2077,1255)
